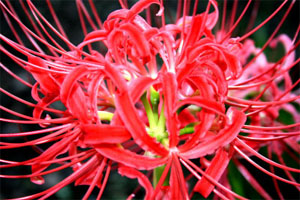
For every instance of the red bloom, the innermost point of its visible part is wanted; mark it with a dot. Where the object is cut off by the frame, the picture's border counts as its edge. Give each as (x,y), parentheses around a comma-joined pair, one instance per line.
(208,101)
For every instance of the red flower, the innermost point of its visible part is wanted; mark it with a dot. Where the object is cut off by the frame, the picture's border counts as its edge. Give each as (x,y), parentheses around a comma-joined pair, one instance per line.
(208,101)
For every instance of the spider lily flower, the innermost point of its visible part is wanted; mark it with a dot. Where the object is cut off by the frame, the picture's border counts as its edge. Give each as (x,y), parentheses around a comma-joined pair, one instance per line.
(182,100)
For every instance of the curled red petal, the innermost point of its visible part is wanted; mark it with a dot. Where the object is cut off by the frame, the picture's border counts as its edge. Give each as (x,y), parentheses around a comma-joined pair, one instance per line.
(46,81)
(39,180)
(77,105)
(142,179)
(216,168)
(213,17)
(226,60)
(129,158)
(104,133)
(198,48)
(202,102)
(233,63)
(138,85)
(170,97)
(184,71)
(194,31)
(140,6)
(224,137)
(95,34)
(73,96)
(39,109)
(185,118)
(198,27)
(220,77)
(207,119)
(138,39)
(120,13)
(70,81)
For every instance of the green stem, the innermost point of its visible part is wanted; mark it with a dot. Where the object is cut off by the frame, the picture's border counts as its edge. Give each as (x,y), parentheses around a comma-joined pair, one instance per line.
(148,110)
(161,124)
(187,130)
(154,99)
(157,128)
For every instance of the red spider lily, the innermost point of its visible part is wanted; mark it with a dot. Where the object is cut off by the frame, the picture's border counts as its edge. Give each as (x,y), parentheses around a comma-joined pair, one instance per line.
(214,100)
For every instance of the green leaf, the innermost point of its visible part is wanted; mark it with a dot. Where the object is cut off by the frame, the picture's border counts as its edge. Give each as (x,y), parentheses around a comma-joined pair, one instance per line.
(285,117)
(236,179)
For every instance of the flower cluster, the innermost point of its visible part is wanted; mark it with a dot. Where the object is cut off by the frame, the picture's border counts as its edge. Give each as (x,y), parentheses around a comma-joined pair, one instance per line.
(169,104)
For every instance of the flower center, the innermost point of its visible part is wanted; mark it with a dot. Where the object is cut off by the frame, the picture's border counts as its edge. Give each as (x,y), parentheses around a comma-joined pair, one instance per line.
(157,120)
